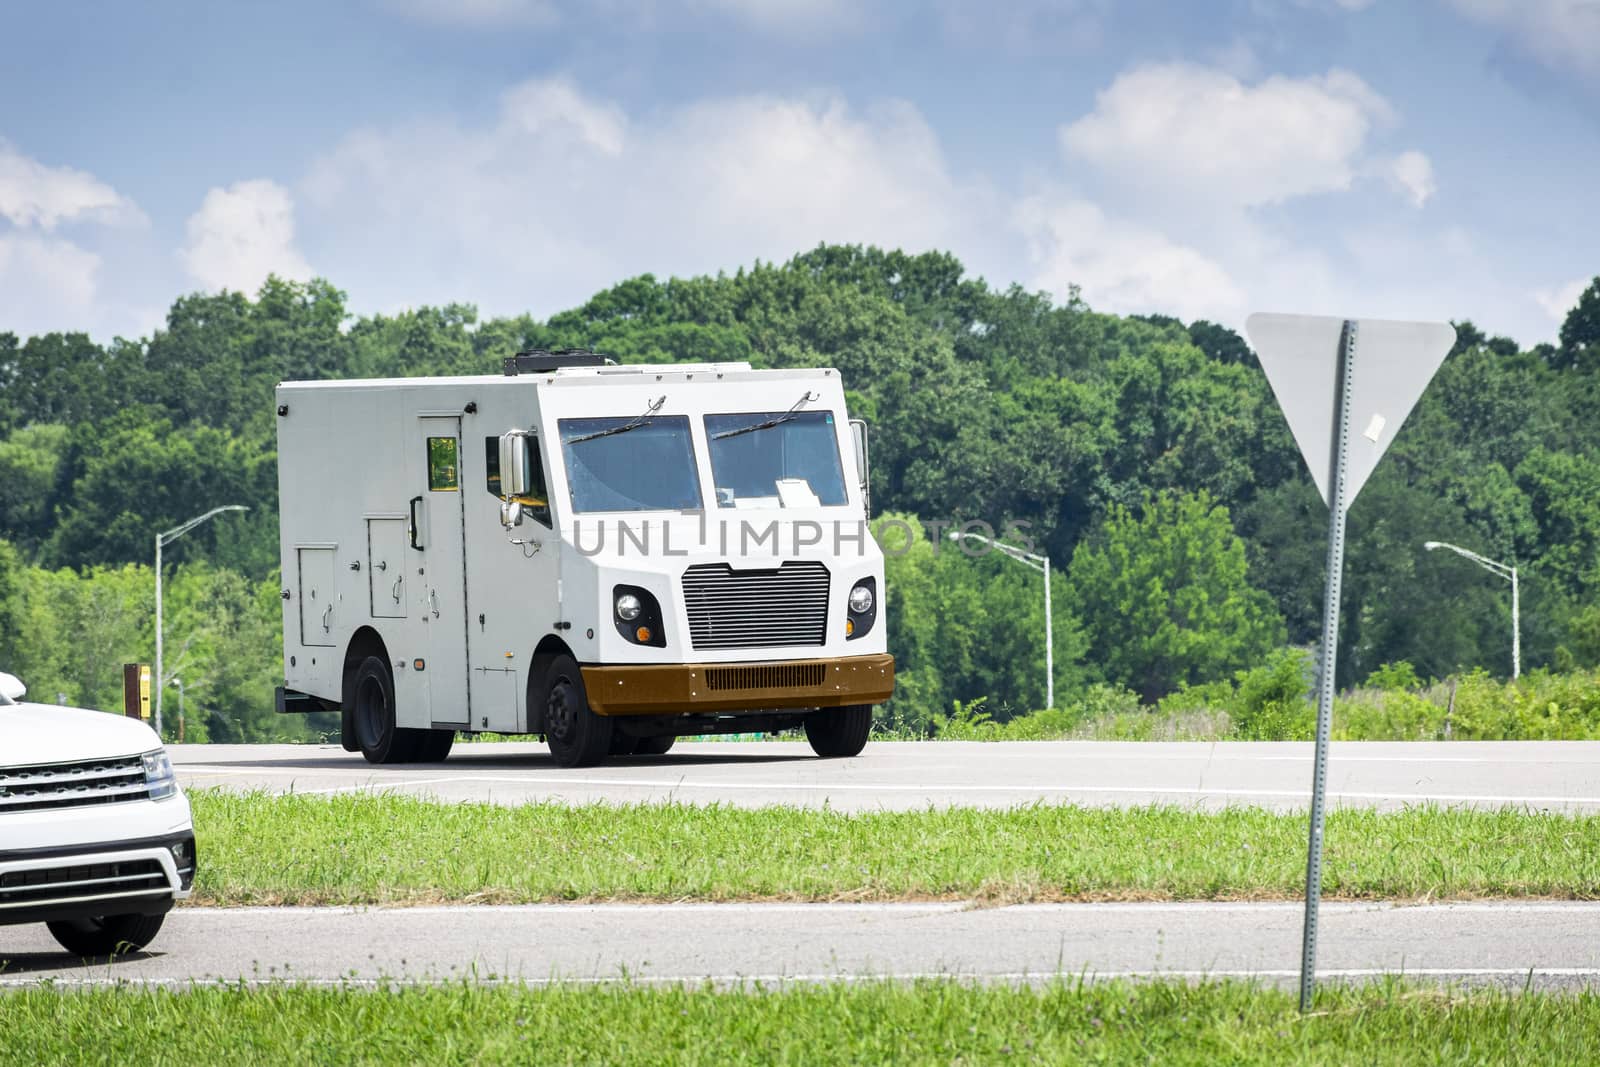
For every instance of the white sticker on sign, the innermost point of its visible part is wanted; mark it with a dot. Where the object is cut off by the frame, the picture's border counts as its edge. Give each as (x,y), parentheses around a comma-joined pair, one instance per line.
(1374,429)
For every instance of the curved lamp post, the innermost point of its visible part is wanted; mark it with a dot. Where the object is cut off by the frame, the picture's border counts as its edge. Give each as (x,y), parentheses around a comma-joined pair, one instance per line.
(1506,571)
(164,538)
(1042,565)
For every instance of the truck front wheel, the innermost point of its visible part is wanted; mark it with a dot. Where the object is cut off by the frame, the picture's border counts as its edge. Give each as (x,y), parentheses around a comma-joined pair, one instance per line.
(835,732)
(578,737)
(107,935)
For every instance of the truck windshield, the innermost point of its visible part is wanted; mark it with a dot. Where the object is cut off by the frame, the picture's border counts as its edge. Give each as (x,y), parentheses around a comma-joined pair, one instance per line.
(630,464)
(776,457)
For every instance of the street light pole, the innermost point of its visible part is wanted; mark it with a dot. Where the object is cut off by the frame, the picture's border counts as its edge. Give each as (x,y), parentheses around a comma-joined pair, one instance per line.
(1042,565)
(1508,572)
(166,537)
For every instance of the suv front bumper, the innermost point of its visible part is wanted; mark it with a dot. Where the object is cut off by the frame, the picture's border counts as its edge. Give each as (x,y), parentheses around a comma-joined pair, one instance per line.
(137,877)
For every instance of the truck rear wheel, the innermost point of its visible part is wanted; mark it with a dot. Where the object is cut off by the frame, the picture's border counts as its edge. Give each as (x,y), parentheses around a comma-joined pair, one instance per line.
(434,746)
(106,935)
(836,732)
(578,737)
(380,739)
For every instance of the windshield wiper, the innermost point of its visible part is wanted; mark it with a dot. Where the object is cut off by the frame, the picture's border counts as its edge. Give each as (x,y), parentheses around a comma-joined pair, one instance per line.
(770,423)
(632,424)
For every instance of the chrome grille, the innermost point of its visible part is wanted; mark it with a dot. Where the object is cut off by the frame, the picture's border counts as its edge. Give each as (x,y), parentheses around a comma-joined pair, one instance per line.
(758,608)
(69,785)
(767,676)
(81,881)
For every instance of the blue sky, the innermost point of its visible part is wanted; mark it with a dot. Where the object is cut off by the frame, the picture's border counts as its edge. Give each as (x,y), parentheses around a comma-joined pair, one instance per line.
(1398,158)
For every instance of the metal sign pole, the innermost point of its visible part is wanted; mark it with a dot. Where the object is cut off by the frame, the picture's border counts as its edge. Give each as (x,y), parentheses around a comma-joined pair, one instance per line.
(1329,657)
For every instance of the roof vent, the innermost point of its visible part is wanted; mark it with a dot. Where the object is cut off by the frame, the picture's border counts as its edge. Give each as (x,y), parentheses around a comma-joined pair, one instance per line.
(539,360)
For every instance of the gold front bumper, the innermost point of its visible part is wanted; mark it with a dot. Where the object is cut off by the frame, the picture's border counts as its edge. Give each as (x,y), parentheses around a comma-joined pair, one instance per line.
(687,688)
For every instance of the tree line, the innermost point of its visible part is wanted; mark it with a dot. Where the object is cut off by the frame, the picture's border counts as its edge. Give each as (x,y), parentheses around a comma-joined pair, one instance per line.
(1144,455)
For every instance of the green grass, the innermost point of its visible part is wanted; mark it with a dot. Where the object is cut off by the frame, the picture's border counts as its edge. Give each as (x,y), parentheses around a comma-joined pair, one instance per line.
(357,849)
(924,1022)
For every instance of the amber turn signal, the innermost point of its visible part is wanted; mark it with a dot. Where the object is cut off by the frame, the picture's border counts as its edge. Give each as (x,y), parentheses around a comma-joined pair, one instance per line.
(849,627)
(642,633)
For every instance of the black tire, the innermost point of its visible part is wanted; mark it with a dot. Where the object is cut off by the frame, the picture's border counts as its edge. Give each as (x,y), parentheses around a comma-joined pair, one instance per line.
(838,732)
(577,736)
(372,714)
(107,935)
(654,746)
(434,745)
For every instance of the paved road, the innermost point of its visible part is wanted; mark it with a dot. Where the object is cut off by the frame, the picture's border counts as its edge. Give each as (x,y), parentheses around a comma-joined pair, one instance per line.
(1558,943)
(908,775)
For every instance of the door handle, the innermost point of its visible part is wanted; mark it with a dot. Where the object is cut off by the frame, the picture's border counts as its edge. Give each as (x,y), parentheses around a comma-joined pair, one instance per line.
(411,523)
(328,611)
(394,590)
(434,597)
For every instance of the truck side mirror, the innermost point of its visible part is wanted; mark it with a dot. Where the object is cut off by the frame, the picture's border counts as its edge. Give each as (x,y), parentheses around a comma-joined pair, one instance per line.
(858,433)
(11,687)
(513,466)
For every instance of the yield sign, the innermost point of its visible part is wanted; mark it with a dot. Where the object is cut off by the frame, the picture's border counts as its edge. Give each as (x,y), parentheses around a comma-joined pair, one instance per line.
(1345,385)
(1390,364)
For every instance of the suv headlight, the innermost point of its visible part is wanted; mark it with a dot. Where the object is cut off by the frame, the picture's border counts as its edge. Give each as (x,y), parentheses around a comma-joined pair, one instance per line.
(158,776)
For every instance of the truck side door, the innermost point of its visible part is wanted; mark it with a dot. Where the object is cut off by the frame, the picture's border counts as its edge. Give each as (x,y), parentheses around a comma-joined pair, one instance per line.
(437,534)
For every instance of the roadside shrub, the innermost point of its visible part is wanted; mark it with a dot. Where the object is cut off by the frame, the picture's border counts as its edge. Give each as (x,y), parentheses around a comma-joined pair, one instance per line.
(1270,703)
(1398,675)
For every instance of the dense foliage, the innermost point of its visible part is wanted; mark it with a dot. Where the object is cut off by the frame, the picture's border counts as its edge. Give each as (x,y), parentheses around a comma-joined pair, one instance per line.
(1145,457)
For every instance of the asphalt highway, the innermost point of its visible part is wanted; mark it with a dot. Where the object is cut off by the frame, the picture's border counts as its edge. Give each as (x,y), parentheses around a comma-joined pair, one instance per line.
(1561,776)
(1545,945)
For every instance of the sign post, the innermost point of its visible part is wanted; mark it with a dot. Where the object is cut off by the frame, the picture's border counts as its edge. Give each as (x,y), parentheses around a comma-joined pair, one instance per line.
(1345,386)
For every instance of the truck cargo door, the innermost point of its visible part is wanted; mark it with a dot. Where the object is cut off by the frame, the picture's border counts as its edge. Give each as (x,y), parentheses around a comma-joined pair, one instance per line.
(386,567)
(443,577)
(318,601)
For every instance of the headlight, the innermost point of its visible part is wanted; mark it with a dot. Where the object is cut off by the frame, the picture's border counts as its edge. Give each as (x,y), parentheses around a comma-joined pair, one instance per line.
(158,776)
(628,607)
(860,600)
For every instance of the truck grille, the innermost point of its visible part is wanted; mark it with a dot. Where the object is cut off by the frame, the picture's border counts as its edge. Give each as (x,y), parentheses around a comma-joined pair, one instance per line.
(81,881)
(756,609)
(69,785)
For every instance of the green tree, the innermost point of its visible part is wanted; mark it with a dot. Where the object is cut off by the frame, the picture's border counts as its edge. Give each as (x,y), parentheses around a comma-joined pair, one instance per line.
(1166,599)
(1580,332)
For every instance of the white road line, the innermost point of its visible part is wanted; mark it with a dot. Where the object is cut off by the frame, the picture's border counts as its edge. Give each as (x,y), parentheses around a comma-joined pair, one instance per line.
(806,979)
(927,907)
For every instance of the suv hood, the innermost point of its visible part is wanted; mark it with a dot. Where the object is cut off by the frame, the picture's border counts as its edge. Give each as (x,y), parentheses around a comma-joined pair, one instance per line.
(48,733)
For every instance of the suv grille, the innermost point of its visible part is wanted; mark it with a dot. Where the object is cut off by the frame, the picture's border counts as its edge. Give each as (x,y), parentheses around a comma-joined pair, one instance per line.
(82,881)
(69,785)
(756,609)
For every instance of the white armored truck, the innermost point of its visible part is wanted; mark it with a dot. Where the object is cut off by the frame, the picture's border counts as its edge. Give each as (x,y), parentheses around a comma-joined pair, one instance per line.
(609,556)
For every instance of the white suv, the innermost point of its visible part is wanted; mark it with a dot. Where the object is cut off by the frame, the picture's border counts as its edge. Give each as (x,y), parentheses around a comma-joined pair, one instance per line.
(95,835)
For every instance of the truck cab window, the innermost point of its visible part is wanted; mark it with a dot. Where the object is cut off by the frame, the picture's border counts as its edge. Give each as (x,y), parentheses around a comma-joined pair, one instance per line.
(537,501)
(444,469)
(752,453)
(630,464)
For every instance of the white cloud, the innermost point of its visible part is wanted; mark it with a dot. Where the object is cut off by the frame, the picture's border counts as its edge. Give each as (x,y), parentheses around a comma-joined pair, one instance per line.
(1561,34)
(240,235)
(1557,302)
(786,16)
(1122,266)
(35,195)
(564,194)
(46,283)
(1201,134)
(540,107)
(477,14)
(1412,173)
